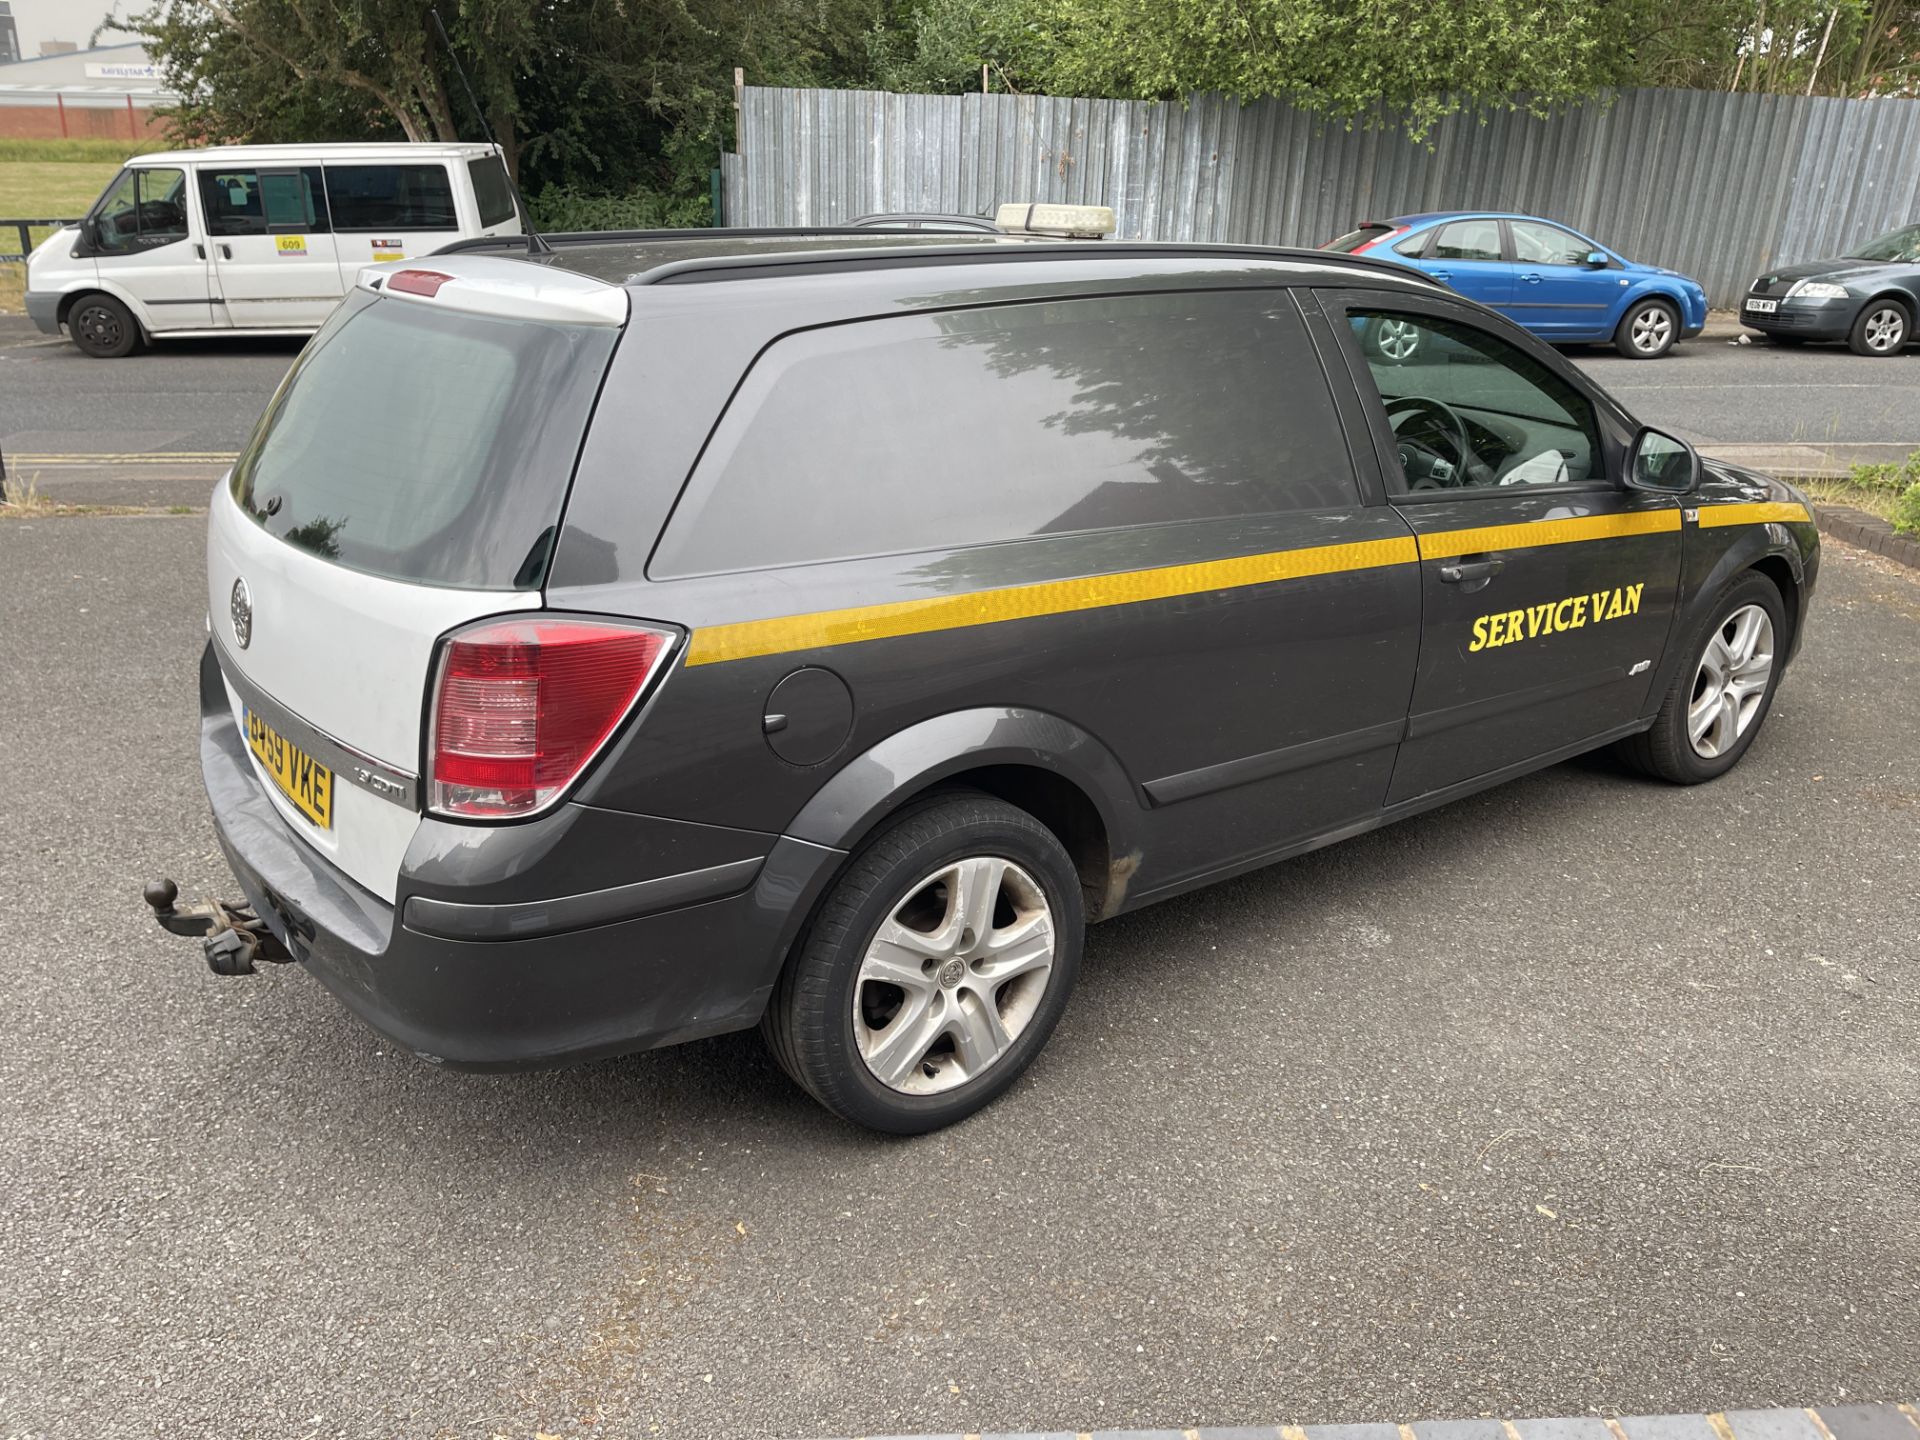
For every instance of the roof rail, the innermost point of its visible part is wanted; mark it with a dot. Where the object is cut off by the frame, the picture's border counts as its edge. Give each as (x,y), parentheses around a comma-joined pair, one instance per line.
(600,237)
(960,250)
(723,267)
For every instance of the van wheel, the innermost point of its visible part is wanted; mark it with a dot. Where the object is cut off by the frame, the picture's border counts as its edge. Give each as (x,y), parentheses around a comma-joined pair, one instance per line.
(1719,699)
(1647,331)
(1881,329)
(935,969)
(103,328)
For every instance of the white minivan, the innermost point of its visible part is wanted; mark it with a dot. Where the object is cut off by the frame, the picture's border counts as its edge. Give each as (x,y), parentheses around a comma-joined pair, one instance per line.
(260,239)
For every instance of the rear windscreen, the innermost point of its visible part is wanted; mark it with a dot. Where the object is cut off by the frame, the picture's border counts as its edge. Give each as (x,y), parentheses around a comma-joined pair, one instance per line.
(422,444)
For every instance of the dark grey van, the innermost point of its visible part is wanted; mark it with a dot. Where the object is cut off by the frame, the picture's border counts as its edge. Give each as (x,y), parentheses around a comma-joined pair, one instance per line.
(675,634)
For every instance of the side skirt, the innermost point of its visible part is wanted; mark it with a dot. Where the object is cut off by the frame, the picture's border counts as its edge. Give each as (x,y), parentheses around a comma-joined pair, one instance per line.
(226,332)
(1430,801)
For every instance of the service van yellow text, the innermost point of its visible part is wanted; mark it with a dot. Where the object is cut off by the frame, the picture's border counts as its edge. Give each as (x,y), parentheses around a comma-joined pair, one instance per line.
(1555,616)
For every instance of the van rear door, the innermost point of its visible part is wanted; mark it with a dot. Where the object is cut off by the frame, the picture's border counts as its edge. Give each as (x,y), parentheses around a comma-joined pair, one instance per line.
(407,477)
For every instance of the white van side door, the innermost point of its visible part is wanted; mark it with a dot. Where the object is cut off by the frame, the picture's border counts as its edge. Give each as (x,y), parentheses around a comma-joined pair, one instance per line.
(390,210)
(272,248)
(142,238)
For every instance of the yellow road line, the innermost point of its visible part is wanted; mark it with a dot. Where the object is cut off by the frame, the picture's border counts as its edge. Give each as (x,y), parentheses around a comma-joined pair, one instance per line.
(145,457)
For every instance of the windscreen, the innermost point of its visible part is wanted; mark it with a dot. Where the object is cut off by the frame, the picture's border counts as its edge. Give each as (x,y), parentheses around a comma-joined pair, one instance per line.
(1902,246)
(423,444)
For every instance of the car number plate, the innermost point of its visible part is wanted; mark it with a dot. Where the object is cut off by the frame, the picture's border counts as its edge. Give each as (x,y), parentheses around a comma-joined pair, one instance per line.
(299,777)
(1763,307)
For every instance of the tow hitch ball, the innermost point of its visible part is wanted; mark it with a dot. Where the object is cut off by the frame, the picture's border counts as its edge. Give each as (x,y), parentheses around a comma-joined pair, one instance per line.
(234,937)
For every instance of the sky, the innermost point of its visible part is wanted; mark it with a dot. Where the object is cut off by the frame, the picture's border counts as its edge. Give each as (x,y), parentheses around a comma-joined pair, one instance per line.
(73,20)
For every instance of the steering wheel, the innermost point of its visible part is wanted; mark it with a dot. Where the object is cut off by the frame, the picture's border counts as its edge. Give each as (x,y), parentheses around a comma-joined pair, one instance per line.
(1434,470)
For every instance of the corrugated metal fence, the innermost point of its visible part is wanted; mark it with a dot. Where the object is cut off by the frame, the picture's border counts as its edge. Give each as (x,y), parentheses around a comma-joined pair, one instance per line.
(1719,186)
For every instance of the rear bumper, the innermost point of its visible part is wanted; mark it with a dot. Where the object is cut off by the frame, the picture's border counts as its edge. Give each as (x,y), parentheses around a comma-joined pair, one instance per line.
(1810,319)
(44,310)
(492,979)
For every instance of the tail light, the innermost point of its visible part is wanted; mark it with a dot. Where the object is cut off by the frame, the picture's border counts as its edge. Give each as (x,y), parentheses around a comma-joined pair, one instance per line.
(522,706)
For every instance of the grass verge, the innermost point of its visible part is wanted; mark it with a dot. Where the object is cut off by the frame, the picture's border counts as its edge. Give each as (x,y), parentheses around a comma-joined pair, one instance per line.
(76,152)
(1871,500)
(45,189)
(25,502)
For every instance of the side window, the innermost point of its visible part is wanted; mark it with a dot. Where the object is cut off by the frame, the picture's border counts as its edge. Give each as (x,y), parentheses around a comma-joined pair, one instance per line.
(143,209)
(1470,411)
(924,432)
(1537,244)
(490,189)
(263,202)
(390,197)
(1468,240)
(1413,245)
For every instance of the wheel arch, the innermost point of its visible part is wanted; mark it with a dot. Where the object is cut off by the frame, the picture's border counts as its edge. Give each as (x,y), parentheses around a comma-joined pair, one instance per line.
(1752,551)
(1045,765)
(73,297)
(1657,288)
(1907,302)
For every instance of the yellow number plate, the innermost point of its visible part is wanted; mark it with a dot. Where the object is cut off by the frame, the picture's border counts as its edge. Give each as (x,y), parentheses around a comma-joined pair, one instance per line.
(301,778)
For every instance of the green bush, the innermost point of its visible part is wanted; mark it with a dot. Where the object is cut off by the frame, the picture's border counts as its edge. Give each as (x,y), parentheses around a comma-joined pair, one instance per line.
(563,208)
(1906,510)
(1888,478)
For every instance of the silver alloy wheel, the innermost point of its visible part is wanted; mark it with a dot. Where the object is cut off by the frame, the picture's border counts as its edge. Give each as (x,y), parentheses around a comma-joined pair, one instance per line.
(953,975)
(1652,329)
(1396,340)
(1886,329)
(1731,681)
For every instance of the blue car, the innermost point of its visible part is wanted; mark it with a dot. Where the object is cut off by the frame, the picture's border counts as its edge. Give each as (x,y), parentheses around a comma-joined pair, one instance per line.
(1556,282)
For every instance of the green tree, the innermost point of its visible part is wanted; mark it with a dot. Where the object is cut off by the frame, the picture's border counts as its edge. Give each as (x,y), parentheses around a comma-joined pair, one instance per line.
(600,95)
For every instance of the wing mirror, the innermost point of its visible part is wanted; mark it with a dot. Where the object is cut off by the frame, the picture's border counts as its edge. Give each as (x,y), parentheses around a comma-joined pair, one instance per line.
(1662,464)
(1597,260)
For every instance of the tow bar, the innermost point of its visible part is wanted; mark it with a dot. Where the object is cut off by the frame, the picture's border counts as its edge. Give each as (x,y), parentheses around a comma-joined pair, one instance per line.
(234,937)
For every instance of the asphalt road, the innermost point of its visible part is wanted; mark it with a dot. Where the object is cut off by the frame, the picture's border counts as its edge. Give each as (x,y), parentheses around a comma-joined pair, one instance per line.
(1586,1092)
(203,396)
(1713,392)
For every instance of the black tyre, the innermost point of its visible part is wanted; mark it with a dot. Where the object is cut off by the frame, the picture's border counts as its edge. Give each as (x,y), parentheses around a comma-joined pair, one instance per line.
(1648,330)
(1719,698)
(102,327)
(1882,329)
(934,970)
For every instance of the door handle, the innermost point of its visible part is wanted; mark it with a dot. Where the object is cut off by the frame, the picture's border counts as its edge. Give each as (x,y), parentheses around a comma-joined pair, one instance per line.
(1471,570)
(200,250)
(1531,278)
(1441,274)
(226,252)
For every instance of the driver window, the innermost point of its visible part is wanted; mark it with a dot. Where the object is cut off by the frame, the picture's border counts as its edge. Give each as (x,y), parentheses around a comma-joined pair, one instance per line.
(1537,244)
(143,209)
(1470,411)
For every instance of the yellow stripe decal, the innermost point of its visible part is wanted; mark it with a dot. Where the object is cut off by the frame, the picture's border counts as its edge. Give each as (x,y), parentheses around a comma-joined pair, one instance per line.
(1764,513)
(780,635)
(1445,543)
(712,644)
